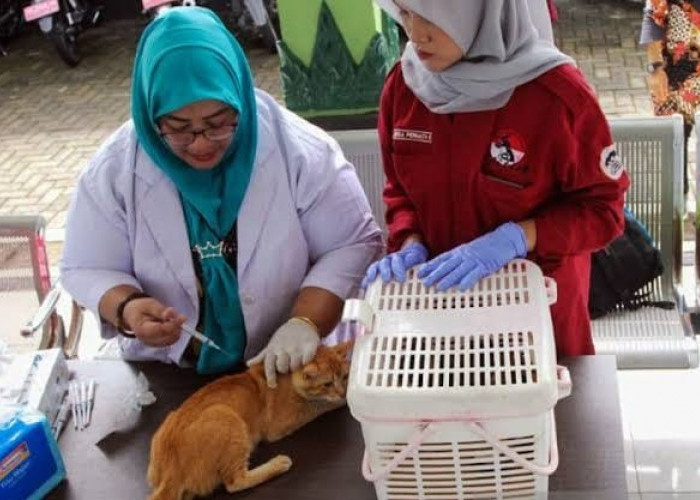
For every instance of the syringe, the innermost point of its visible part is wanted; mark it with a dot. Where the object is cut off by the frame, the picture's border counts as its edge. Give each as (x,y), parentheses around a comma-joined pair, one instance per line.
(204,339)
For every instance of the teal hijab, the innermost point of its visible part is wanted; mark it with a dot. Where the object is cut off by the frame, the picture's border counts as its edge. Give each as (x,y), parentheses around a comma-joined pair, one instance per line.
(187,55)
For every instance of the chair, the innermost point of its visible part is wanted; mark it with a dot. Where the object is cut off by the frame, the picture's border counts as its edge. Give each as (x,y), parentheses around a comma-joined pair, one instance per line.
(28,301)
(649,337)
(652,151)
(361,148)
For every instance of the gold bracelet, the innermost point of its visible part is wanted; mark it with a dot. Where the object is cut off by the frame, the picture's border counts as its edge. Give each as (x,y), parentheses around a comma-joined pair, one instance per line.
(306,320)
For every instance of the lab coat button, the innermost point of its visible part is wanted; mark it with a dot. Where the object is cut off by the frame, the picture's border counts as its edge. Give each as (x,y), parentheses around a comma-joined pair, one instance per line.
(248,300)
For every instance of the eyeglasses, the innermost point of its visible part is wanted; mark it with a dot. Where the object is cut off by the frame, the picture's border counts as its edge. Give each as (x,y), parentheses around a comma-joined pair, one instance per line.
(214,134)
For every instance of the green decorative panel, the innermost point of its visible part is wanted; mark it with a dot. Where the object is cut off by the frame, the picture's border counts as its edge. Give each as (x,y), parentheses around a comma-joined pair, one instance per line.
(333,83)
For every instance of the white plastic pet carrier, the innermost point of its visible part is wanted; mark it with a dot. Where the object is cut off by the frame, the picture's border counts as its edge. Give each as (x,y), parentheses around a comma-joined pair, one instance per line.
(455,390)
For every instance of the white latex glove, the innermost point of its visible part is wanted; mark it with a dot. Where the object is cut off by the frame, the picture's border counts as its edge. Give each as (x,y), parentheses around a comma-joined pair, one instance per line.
(293,344)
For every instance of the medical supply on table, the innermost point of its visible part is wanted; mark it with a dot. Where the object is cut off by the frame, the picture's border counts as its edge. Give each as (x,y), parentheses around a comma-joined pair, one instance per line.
(91,400)
(125,407)
(74,405)
(61,418)
(455,390)
(204,339)
(37,380)
(82,397)
(30,462)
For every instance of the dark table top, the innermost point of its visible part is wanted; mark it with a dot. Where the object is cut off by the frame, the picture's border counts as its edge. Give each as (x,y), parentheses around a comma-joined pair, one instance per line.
(327,453)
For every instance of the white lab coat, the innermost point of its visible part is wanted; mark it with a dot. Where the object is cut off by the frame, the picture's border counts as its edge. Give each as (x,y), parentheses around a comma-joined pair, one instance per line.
(304,221)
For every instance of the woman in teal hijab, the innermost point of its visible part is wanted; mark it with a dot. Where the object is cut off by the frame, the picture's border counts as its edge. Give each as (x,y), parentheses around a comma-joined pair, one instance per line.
(188,61)
(215,207)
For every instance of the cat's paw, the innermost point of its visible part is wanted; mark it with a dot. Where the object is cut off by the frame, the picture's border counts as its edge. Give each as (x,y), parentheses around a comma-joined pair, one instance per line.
(282,463)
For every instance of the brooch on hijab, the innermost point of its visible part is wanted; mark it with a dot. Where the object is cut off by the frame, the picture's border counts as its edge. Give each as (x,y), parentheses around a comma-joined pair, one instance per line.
(209,251)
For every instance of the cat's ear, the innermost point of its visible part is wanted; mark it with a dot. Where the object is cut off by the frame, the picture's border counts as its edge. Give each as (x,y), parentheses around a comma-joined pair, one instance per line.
(309,371)
(344,350)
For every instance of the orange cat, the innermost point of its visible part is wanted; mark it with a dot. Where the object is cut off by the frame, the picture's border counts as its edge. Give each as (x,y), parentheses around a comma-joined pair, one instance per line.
(209,438)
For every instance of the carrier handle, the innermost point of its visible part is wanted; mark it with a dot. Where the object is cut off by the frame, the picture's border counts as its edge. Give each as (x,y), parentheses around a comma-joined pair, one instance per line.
(550,287)
(413,443)
(478,429)
(563,382)
(543,470)
(358,310)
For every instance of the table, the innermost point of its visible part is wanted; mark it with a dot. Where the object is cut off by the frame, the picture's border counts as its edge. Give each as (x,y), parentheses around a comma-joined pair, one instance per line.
(327,452)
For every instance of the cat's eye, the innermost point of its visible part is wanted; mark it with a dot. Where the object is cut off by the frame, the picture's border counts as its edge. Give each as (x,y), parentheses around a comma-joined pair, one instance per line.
(328,384)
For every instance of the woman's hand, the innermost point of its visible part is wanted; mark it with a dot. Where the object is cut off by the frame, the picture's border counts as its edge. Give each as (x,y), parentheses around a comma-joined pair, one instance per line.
(396,264)
(153,323)
(293,344)
(466,264)
(658,85)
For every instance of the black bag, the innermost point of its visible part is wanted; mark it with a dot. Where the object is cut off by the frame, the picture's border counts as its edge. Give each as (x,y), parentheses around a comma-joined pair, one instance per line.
(622,269)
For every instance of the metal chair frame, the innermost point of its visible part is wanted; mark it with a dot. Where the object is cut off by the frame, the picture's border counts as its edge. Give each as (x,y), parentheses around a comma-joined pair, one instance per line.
(45,321)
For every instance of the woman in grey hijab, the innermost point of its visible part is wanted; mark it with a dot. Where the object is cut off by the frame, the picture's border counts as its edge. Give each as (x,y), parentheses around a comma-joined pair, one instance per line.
(541,12)
(494,148)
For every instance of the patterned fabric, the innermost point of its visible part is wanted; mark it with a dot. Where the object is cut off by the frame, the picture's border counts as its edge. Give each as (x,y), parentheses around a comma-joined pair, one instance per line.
(229,251)
(680,22)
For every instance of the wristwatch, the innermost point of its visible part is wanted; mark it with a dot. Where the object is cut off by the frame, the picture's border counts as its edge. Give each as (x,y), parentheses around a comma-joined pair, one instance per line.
(653,66)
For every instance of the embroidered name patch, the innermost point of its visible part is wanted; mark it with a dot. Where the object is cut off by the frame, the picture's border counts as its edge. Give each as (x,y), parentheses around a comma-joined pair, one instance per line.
(610,163)
(401,134)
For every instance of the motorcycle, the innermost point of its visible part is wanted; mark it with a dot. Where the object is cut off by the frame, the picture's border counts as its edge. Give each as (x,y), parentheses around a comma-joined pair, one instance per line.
(256,16)
(10,21)
(155,7)
(62,21)
(259,16)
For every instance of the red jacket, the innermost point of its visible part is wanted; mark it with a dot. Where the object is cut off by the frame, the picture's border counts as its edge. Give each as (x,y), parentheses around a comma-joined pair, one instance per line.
(547,155)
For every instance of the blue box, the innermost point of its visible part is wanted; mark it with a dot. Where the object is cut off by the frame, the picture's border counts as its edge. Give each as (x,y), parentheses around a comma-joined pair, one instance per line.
(30,462)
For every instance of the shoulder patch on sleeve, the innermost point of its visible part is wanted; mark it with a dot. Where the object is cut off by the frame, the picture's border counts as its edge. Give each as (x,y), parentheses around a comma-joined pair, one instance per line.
(610,163)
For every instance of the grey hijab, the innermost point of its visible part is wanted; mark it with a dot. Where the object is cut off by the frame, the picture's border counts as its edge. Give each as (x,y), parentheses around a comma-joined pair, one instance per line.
(501,47)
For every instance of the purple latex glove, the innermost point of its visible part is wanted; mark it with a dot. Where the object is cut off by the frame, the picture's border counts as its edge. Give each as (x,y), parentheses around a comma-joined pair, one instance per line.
(396,264)
(466,264)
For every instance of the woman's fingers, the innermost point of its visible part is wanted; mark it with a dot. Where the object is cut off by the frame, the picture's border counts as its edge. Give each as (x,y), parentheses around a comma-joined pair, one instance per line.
(470,279)
(441,271)
(157,333)
(153,323)
(397,267)
(270,370)
(385,269)
(371,275)
(433,264)
(454,277)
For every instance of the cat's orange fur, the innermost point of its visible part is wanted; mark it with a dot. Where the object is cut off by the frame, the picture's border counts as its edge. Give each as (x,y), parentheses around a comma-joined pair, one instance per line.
(209,438)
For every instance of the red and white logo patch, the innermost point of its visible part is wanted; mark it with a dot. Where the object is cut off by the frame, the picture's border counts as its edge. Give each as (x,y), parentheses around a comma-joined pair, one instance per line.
(508,148)
(401,134)
(610,163)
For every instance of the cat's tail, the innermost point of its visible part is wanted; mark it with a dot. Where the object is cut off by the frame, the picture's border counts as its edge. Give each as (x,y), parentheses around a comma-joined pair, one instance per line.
(164,488)
(160,473)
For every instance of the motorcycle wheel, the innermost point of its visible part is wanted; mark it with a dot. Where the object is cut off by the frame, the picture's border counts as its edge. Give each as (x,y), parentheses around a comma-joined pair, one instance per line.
(65,43)
(268,39)
(273,23)
(13,19)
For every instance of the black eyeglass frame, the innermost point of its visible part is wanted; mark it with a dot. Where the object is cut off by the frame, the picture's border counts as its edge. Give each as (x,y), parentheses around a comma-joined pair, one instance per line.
(209,133)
